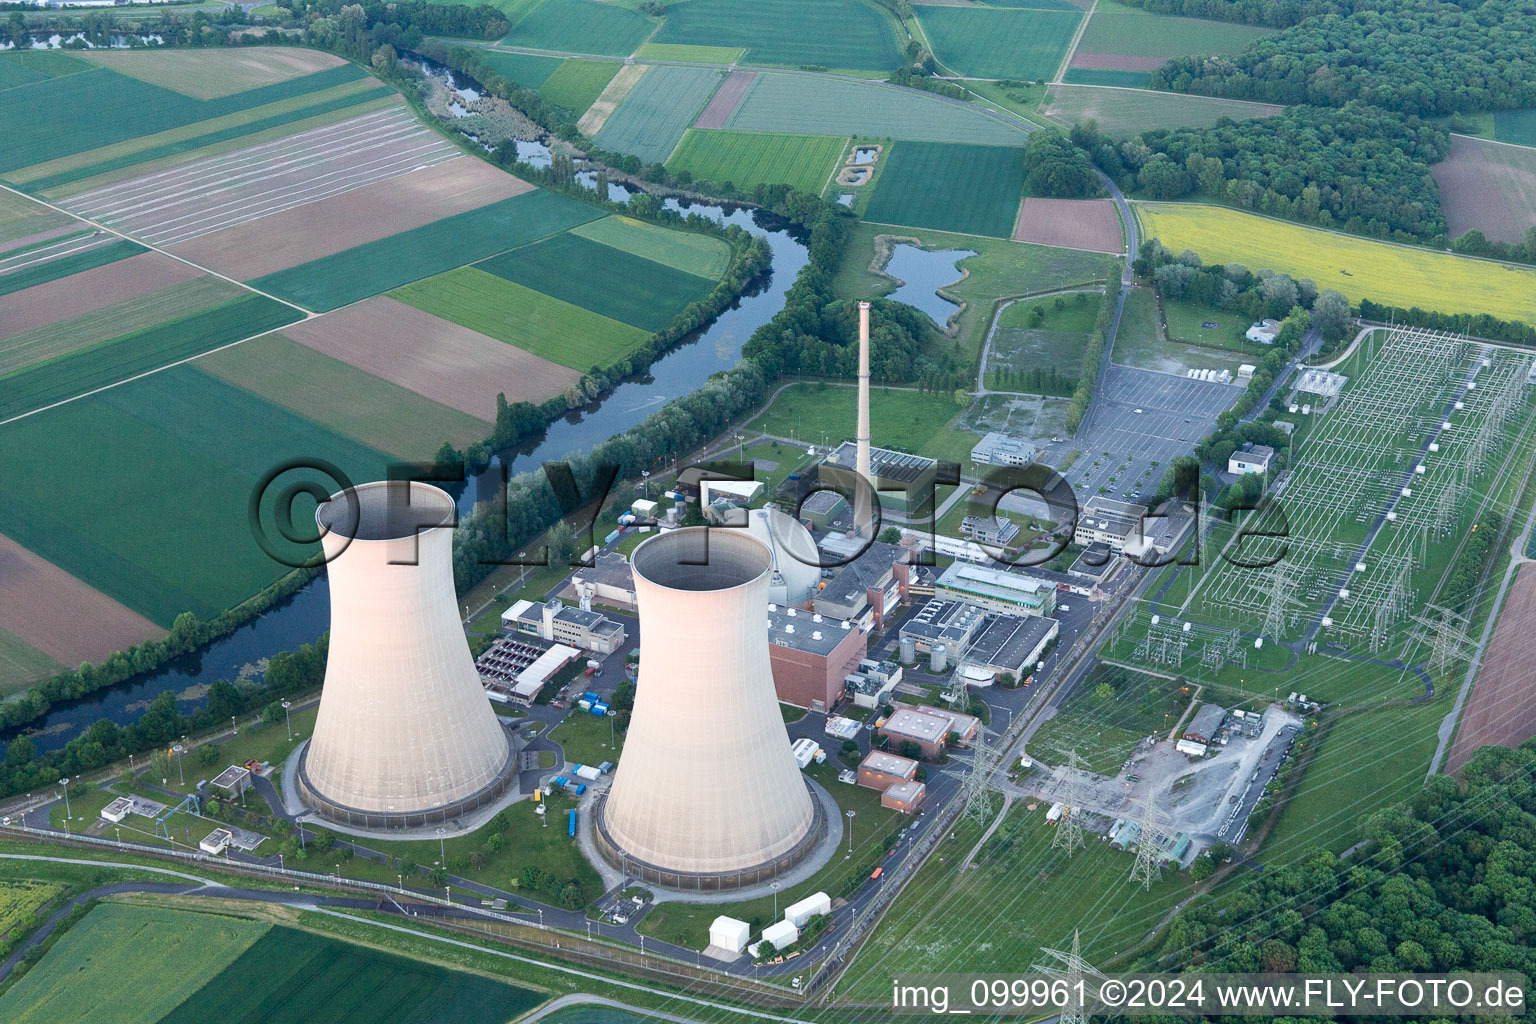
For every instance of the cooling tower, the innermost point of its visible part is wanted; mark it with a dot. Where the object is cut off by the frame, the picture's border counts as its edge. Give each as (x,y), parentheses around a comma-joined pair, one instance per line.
(405,736)
(707,794)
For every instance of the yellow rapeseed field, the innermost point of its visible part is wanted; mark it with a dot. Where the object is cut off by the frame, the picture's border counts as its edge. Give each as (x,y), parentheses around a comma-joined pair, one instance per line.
(1357,267)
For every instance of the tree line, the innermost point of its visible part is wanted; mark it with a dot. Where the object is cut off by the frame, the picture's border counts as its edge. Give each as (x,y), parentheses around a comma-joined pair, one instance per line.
(1269,13)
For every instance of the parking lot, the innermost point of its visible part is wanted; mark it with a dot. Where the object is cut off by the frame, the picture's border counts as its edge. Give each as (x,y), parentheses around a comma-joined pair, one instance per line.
(1140,417)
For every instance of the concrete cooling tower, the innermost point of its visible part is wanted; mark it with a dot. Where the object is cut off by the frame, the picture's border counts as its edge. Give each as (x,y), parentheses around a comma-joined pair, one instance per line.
(405,736)
(707,795)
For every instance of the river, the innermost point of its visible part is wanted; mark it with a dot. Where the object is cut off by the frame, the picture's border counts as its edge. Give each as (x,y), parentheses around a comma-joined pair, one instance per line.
(302,618)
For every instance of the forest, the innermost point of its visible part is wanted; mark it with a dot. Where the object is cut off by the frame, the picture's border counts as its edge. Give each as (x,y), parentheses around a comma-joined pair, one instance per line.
(1442,884)
(1408,56)
(1357,168)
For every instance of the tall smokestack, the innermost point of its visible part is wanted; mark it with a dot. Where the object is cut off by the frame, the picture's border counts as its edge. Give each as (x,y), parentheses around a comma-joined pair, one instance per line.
(863,487)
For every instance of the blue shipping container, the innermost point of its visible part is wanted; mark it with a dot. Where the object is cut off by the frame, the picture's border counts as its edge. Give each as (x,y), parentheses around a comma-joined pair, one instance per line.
(572,830)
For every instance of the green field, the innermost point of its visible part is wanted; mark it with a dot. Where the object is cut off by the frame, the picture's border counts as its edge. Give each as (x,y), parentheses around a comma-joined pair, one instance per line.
(1000,269)
(62,337)
(22,67)
(533,321)
(688,251)
(581,26)
(1135,32)
(828,33)
(1517,127)
(576,83)
(829,106)
(632,289)
(64,266)
(1357,267)
(377,412)
(526,69)
(1124,112)
(690,53)
(744,159)
(657,111)
(21,663)
(1019,43)
(20,217)
(140,352)
(1186,322)
(1139,342)
(970,189)
(81,978)
(907,421)
(179,488)
(1102,76)
(390,262)
(1058,342)
(101,107)
(1103,732)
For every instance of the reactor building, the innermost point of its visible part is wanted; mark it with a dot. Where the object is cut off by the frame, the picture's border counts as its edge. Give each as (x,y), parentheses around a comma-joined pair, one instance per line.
(405,736)
(707,794)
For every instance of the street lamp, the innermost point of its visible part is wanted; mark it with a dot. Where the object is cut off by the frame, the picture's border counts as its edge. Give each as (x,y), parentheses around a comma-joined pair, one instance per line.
(233,728)
(645,474)
(442,848)
(775,888)
(119,831)
(850,836)
(67,815)
(402,882)
(288,718)
(280,865)
(178,750)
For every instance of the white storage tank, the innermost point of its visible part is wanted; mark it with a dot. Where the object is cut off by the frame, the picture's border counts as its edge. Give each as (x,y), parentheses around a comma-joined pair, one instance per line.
(908,650)
(938,658)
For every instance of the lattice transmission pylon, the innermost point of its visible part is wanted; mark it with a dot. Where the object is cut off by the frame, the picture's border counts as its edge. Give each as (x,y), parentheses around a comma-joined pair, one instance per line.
(1069,966)
(1069,827)
(1152,838)
(979,788)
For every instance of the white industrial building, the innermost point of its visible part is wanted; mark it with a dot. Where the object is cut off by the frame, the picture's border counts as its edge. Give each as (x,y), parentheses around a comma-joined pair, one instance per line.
(1253,458)
(1109,522)
(999,449)
(814,905)
(729,933)
(1264,332)
(1323,383)
(707,795)
(996,589)
(404,736)
(781,934)
(215,842)
(558,622)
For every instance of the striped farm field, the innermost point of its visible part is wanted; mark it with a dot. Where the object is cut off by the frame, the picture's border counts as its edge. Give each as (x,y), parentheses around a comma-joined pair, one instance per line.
(1358,267)
(74,374)
(534,322)
(831,33)
(101,107)
(703,255)
(632,290)
(366,408)
(1016,43)
(576,83)
(973,190)
(1136,32)
(378,266)
(210,72)
(658,110)
(803,105)
(162,463)
(21,217)
(1125,112)
(21,663)
(1107,76)
(804,162)
(20,67)
(581,26)
(68,257)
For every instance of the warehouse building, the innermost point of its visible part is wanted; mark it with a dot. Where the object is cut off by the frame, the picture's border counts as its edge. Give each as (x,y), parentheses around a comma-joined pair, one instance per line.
(927,728)
(1109,522)
(998,449)
(1202,730)
(812,655)
(903,483)
(881,771)
(555,621)
(997,589)
(1096,564)
(1009,643)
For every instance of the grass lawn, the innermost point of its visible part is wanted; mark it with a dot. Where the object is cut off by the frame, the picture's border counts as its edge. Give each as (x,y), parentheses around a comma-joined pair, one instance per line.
(1033,896)
(369,409)
(588,738)
(979,42)
(255,742)
(687,924)
(83,973)
(902,420)
(576,83)
(969,189)
(1104,731)
(533,321)
(1186,322)
(688,251)
(788,459)
(829,33)
(21,663)
(1358,267)
(1000,269)
(1140,344)
(1125,112)
(805,162)
(1057,342)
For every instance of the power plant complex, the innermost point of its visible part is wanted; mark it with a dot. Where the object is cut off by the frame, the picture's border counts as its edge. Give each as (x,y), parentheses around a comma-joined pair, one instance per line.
(404,736)
(707,794)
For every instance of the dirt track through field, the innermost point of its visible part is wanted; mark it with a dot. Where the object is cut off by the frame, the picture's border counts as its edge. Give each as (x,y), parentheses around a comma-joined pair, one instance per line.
(80,293)
(726,99)
(206,196)
(365,214)
(1489,187)
(1502,707)
(1116,62)
(61,616)
(453,365)
(1090,224)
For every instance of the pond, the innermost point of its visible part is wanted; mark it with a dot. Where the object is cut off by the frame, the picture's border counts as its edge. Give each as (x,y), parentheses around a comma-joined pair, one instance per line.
(865,155)
(922,273)
(305,616)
